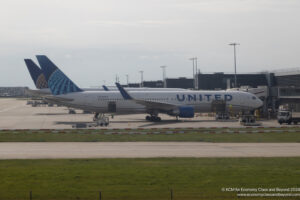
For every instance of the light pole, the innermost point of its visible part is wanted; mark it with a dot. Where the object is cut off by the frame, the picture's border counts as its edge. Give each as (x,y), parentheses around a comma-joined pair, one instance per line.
(117,78)
(127,78)
(196,69)
(142,78)
(234,53)
(193,60)
(164,75)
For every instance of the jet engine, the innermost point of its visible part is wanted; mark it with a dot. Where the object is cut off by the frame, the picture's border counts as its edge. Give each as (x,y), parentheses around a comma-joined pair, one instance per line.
(183,112)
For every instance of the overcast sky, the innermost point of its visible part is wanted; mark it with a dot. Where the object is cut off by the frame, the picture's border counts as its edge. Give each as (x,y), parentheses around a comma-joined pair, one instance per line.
(93,40)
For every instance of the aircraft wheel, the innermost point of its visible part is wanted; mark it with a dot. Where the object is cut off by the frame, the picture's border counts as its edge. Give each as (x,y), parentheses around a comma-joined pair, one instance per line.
(148,118)
(155,119)
(152,118)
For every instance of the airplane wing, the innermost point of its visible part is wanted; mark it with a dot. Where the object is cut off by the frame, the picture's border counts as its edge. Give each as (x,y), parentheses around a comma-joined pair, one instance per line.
(149,104)
(39,92)
(156,104)
(105,88)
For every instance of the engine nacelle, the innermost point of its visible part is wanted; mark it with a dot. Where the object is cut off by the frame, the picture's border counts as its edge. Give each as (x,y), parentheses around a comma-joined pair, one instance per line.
(184,112)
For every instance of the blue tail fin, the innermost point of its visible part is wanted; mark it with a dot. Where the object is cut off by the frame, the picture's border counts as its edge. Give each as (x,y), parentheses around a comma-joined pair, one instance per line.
(58,82)
(36,74)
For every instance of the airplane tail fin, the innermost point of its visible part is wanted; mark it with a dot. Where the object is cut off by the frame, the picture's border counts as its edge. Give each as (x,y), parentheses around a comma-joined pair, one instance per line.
(58,82)
(36,74)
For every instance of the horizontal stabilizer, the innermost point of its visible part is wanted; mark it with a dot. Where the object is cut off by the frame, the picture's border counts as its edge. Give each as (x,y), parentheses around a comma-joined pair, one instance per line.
(58,99)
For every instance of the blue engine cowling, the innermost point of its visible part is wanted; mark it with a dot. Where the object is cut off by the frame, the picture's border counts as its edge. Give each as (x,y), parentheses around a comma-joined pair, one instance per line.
(186,112)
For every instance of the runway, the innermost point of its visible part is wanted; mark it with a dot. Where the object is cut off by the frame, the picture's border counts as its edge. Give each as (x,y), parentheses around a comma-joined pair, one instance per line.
(53,150)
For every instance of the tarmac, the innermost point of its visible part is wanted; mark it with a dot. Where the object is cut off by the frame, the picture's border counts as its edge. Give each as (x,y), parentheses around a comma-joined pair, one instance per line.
(67,150)
(15,114)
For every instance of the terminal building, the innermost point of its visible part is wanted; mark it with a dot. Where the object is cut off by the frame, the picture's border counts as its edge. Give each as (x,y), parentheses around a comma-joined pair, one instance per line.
(275,88)
(287,89)
(13,91)
(181,82)
(221,81)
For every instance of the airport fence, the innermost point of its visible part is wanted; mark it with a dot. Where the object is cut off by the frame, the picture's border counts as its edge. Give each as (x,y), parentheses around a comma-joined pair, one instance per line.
(170,195)
(153,131)
(234,196)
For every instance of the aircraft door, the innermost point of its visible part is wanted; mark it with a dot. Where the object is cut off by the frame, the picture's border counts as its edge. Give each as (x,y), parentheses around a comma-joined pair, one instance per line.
(112,107)
(218,106)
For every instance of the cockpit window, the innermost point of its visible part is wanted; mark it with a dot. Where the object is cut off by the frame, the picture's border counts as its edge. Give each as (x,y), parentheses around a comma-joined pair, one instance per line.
(253,97)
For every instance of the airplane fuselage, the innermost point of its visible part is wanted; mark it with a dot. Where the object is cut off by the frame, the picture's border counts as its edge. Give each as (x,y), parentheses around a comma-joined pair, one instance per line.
(201,101)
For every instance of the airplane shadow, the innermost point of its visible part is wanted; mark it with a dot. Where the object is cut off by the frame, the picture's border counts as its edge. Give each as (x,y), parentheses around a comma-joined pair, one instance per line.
(127,121)
(73,123)
(139,122)
(51,114)
(168,122)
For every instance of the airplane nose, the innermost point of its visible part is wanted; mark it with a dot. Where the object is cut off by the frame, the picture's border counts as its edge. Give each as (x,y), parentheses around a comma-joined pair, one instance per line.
(260,103)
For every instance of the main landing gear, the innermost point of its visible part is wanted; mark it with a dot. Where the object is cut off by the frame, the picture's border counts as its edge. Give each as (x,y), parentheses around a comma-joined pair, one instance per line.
(153,118)
(101,119)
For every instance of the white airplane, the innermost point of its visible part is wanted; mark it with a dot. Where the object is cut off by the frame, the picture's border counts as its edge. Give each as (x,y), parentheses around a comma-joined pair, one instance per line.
(182,104)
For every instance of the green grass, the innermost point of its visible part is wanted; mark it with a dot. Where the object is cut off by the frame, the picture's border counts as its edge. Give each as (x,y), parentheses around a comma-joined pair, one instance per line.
(134,179)
(201,135)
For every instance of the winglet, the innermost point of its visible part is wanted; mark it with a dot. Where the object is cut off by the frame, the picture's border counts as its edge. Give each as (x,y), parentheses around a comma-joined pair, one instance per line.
(105,88)
(123,92)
